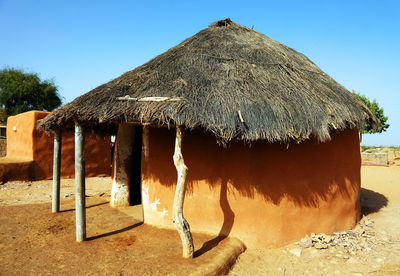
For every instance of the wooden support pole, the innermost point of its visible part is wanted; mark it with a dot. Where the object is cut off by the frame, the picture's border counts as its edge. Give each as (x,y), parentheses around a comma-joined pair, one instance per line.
(80,205)
(55,203)
(177,211)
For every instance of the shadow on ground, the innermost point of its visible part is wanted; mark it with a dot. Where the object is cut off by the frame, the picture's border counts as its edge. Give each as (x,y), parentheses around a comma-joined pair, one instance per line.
(371,202)
(90,206)
(115,231)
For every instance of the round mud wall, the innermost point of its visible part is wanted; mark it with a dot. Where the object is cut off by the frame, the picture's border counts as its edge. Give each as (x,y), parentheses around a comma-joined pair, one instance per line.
(265,194)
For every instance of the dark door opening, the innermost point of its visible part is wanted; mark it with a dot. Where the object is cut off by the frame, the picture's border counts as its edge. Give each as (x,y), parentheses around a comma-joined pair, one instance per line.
(135,182)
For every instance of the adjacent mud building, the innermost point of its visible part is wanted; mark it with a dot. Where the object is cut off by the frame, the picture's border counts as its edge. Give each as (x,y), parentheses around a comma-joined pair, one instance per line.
(270,141)
(30,151)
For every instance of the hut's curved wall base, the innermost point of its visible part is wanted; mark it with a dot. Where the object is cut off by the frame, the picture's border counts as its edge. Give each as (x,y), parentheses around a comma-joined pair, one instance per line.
(264,194)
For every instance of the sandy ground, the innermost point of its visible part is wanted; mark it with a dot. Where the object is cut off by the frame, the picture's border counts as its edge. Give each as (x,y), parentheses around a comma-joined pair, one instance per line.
(35,242)
(380,201)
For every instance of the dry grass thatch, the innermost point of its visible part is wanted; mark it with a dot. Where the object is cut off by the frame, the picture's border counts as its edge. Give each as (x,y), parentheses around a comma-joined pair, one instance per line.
(227,79)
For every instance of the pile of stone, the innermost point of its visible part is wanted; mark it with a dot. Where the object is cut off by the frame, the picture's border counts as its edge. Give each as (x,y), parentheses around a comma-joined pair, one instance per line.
(361,238)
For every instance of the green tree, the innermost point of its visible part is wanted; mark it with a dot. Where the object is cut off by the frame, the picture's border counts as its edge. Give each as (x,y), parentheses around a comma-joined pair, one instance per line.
(377,111)
(21,92)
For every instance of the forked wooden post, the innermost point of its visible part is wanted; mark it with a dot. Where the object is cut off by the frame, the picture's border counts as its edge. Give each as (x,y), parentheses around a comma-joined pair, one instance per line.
(80,205)
(55,203)
(177,211)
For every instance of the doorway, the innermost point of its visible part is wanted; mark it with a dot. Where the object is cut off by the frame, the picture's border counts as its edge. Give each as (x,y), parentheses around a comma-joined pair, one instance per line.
(135,185)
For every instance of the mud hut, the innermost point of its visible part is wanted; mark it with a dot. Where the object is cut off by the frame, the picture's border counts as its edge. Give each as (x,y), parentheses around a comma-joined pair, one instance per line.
(270,149)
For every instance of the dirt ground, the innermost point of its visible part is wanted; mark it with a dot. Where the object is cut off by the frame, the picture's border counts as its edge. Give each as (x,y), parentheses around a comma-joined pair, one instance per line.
(35,242)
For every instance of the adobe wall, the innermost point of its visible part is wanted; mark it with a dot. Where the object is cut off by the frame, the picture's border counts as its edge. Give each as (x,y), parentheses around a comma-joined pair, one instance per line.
(375,158)
(24,142)
(266,194)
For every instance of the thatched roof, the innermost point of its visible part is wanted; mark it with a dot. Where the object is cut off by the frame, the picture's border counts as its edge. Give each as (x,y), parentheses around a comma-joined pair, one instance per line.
(230,80)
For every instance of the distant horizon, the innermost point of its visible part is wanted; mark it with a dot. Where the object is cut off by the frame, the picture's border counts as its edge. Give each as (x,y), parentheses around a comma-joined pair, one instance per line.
(378,145)
(381,146)
(83,45)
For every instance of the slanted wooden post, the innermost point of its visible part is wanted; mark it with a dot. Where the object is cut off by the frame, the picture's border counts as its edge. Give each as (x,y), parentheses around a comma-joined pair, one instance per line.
(177,211)
(55,203)
(80,206)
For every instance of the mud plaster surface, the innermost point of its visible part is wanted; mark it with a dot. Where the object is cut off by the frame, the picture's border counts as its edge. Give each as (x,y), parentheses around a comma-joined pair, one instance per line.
(252,192)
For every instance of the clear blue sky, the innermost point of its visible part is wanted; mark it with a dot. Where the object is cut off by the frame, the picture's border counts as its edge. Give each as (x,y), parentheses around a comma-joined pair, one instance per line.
(82,44)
